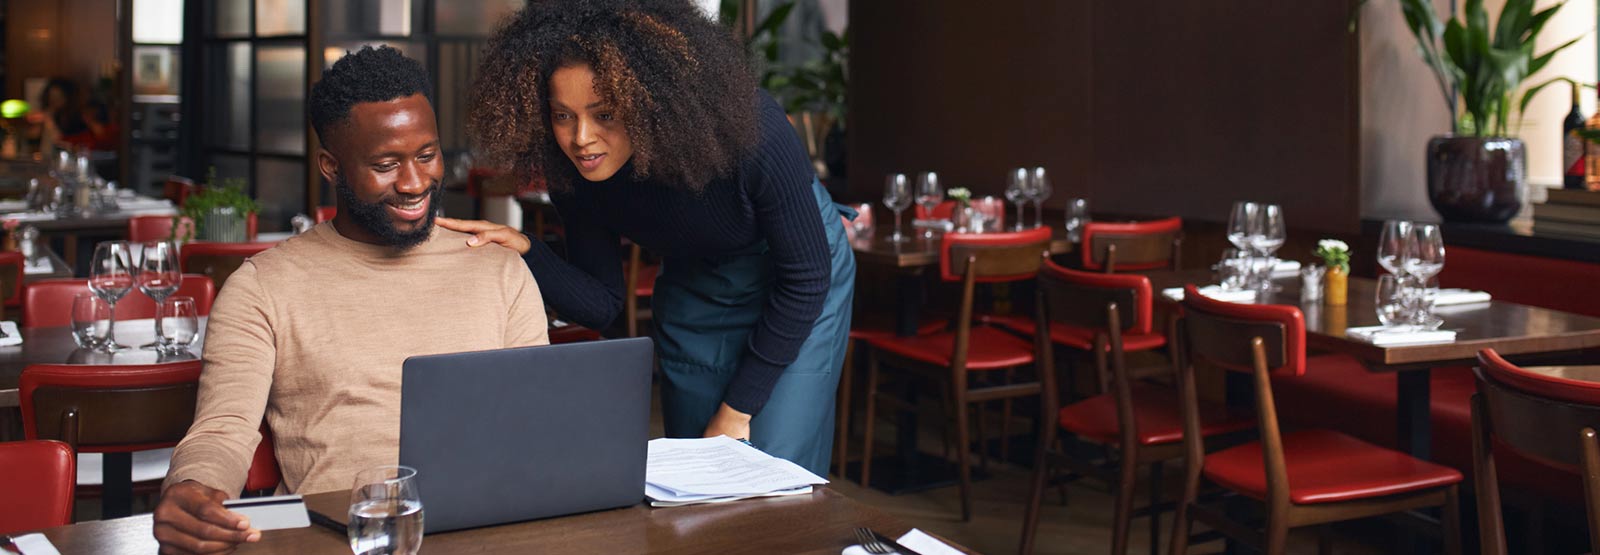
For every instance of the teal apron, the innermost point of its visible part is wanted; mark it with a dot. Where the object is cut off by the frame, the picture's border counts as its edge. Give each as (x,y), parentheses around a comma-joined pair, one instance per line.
(705,309)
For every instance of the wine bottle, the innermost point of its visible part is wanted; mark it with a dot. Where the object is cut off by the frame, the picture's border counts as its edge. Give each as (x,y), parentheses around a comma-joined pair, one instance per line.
(1572,146)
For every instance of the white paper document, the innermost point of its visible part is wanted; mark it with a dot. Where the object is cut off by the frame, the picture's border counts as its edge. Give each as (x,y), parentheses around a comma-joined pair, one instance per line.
(710,470)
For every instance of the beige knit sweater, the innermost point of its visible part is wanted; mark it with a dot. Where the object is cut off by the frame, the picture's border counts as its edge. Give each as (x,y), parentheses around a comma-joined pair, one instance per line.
(312,334)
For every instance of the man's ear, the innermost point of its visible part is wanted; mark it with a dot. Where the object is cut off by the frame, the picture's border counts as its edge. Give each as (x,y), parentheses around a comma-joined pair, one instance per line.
(328,165)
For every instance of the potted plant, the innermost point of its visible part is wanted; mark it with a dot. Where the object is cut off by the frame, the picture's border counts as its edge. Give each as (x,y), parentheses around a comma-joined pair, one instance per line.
(1478,172)
(812,93)
(219,213)
(1335,254)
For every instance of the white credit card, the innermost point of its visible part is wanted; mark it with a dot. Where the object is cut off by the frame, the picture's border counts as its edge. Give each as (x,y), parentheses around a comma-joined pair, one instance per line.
(271,513)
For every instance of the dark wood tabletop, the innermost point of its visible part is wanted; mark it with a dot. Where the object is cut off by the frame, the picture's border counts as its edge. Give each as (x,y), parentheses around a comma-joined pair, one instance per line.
(55,346)
(918,251)
(822,522)
(1508,328)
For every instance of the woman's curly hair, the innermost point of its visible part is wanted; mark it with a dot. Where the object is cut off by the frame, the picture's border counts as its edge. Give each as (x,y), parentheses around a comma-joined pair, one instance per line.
(677,80)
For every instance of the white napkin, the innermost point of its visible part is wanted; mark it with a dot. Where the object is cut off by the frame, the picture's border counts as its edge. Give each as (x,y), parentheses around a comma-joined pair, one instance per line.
(29,216)
(1215,292)
(37,544)
(1385,336)
(38,265)
(1286,268)
(13,205)
(1447,297)
(915,540)
(13,337)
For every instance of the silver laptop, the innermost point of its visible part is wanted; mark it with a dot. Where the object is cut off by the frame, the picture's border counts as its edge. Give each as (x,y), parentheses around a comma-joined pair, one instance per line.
(520,434)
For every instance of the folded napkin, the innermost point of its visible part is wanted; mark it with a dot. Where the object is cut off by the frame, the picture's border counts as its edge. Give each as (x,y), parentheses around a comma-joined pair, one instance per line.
(29,217)
(13,205)
(1400,335)
(1447,297)
(1286,268)
(1215,292)
(37,265)
(915,540)
(37,544)
(941,225)
(13,337)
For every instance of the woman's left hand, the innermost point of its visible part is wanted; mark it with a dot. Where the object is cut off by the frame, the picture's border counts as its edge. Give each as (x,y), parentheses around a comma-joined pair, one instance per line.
(729,422)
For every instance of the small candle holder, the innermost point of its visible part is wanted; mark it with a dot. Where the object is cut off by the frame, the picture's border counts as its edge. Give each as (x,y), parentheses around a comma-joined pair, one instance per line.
(1311,283)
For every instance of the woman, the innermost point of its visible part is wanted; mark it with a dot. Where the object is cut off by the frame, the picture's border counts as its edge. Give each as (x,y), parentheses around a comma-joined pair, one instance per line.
(646,124)
(65,119)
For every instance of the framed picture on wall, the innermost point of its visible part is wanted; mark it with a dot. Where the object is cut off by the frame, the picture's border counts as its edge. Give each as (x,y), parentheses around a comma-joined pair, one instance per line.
(155,70)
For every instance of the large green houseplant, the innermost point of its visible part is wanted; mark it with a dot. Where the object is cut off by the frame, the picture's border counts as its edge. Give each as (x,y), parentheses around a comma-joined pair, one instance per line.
(1478,172)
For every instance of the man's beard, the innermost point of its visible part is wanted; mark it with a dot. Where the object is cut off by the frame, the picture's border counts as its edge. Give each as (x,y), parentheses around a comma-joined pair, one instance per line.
(374,216)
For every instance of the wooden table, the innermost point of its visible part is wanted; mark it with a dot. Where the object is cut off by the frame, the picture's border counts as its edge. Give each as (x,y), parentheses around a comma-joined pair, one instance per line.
(1515,331)
(823,522)
(55,346)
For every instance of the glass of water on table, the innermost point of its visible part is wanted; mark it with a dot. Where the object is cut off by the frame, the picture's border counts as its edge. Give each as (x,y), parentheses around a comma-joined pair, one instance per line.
(386,512)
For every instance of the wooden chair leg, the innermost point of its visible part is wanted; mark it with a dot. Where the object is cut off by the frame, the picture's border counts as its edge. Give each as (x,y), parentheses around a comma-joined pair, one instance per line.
(1041,472)
(1450,520)
(1156,470)
(871,418)
(962,441)
(1277,537)
(983,436)
(1123,507)
(846,383)
(1181,519)
(1005,419)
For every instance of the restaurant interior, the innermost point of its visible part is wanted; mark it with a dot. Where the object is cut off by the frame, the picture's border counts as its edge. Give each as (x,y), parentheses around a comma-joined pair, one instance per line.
(1175,277)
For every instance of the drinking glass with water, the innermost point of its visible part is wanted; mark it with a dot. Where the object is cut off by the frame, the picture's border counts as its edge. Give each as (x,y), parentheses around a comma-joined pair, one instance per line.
(386,512)
(179,323)
(91,320)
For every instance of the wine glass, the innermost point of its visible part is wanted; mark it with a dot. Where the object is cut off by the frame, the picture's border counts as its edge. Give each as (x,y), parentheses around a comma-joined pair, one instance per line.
(385,512)
(1017,192)
(111,278)
(1392,245)
(179,324)
(1077,216)
(1269,233)
(1424,259)
(929,195)
(158,277)
(897,197)
(91,318)
(862,225)
(1240,223)
(1039,190)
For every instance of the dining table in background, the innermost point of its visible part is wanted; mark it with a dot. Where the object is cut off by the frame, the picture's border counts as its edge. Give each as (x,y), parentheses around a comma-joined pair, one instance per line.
(822,522)
(1518,332)
(55,346)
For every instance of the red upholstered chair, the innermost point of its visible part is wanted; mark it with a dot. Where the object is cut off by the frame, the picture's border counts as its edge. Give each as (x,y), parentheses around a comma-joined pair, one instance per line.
(1136,246)
(36,480)
(1141,421)
(950,356)
(640,283)
(1541,415)
(48,303)
(326,213)
(156,228)
(264,475)
(941,212)
(1305,477)
(217,260)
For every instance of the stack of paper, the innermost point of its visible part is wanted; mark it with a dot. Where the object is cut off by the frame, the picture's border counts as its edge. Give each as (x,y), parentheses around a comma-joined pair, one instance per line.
(718,469)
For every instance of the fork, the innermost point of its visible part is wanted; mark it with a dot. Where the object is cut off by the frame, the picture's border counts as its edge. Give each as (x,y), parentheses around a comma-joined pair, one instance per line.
(7,545)
(869,541)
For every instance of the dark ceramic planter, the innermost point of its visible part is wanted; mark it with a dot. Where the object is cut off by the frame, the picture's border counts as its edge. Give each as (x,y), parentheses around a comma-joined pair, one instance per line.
(1476,179)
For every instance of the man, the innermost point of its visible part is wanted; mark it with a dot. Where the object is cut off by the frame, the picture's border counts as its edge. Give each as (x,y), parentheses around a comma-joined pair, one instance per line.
(312,333)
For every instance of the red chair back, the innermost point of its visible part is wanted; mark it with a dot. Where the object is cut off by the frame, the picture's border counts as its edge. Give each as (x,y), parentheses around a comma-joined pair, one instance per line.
(326,213)
(48,303)
(1549,386)
(157,228)
(11,275)
(1221,332)
(1131,246)
(264,473)
(941,212)
(996,257)
(37,480)
(218,260)
(110,408)
(1078,299)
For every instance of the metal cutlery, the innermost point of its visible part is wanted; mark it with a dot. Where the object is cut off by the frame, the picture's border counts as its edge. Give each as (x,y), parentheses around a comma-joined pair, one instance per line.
(879,544)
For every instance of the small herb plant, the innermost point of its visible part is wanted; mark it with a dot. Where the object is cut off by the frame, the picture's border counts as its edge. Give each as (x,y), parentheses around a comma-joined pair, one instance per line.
(1334,253)
(230,194)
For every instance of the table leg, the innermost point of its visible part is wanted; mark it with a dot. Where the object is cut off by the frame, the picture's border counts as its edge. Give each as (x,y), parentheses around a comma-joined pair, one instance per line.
(1414,423)
(116,485)
(908,312)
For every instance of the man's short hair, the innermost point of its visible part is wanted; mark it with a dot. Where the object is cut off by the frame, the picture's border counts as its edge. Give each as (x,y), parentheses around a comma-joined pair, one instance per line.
(368,75)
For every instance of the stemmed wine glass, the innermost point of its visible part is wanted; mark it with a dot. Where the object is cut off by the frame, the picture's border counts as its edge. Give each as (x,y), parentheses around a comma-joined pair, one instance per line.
(1424,259)
(1017,192)
(1039,190)
(1240,222)
(158,277)
(929,195)
(111,278)
(1269,234)
(1392,245)
(897,197)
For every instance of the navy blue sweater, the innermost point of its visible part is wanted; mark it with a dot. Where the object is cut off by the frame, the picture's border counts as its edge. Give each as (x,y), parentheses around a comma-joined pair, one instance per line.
(768,197)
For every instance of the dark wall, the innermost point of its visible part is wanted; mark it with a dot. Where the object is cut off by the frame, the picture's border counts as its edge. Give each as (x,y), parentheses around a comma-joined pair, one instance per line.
(1154,108)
